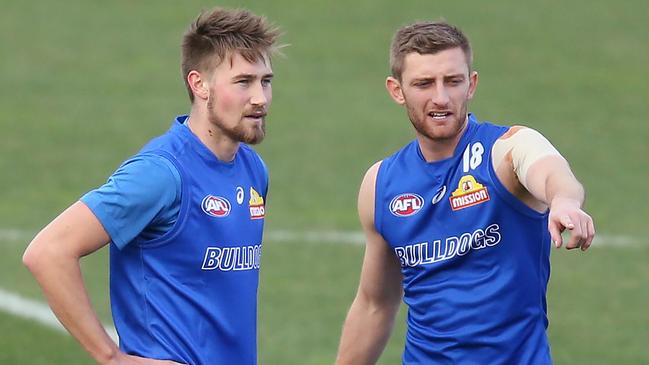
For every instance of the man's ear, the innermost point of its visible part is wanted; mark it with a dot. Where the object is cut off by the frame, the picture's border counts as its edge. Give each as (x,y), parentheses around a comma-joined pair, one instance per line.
(198,85)
(473,84)
(394,89)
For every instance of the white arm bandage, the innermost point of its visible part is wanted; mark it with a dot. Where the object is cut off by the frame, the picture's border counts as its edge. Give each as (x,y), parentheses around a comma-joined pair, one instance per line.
(526,145)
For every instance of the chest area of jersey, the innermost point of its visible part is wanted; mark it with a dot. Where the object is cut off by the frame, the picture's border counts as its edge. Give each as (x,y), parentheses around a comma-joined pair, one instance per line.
(224,225)
(233,205)
(229,197)
(459,189)
(445,212)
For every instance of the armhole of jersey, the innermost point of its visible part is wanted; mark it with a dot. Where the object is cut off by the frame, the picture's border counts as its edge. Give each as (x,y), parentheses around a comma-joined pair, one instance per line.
(502,191)
(378,199)
(260,164)
(182,212)
(266,177)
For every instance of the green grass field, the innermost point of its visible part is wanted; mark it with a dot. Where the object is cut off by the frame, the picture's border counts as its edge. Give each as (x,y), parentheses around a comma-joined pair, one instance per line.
(86,84)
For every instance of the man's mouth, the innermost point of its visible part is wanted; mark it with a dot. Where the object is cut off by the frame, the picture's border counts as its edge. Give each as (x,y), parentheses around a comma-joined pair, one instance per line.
(256,116)
(439,115)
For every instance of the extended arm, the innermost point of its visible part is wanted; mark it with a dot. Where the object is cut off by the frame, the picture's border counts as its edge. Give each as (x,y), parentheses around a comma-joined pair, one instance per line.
(551,181)
(546,175)
(371,316)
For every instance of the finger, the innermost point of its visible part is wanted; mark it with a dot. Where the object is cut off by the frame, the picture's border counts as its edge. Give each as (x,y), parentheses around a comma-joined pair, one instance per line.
(584,232)
(591,235)
(555,234)
(567,222)
(576,237)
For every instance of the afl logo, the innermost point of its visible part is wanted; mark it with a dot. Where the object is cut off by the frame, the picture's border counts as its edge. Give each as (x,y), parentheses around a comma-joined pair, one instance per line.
(216,206)
(407,204)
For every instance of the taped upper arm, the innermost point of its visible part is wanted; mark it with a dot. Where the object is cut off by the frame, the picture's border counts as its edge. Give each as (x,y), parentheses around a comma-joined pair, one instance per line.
(526,146)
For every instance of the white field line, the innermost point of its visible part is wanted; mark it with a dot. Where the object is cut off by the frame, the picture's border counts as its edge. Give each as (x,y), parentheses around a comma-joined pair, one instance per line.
(33,310)
(36,311)
(357,238)
(11,234)
(323,236)
(343,237)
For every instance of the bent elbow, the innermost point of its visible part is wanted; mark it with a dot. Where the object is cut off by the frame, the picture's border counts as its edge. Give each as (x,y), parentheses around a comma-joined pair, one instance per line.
(35,256)
(30,257)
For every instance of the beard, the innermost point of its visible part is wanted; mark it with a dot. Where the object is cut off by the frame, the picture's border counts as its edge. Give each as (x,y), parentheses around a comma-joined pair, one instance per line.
(429,129)
(244,131)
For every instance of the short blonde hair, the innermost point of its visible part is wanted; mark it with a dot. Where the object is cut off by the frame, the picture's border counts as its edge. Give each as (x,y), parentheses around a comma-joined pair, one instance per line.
(219,32)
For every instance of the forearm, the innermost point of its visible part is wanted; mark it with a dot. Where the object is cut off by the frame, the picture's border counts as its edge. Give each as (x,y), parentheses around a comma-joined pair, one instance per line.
(550,178)
(552,182)
(562,184)
(61,281)
(365,333)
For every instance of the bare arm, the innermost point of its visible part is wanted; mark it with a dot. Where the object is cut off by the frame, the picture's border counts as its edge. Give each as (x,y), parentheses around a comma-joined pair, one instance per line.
(371,316)
(534,170)
(53,258)
(550,180)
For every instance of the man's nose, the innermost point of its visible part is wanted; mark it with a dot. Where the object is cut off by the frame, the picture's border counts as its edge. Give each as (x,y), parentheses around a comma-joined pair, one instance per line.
(440,96)
(259,95)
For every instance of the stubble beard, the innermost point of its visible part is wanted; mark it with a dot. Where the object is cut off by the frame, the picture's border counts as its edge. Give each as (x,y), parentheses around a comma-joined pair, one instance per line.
(433,133)
(253,134)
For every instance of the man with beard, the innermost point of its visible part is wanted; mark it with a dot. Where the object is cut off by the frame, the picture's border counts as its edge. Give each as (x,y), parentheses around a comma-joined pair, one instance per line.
(459,222)
(183,217)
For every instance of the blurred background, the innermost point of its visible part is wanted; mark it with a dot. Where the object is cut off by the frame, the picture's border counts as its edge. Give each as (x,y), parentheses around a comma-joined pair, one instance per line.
(84,84)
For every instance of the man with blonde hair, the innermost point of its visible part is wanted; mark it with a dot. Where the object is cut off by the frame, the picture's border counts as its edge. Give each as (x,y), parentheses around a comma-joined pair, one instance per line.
(184,217)
(459,222)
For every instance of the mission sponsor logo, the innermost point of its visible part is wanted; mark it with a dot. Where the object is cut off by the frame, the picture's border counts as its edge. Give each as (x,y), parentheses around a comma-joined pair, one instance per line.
(216,206)
(256,202)
(468,193)
(407,204)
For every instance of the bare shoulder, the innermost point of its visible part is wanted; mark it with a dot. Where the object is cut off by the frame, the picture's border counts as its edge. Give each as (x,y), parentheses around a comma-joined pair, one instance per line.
(370,174)
(520,134)
(366,196)
(512,131)
(520,140)
(504,144)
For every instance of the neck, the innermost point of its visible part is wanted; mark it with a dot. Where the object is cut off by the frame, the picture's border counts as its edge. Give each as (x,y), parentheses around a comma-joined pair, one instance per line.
(436,149)
(223,147)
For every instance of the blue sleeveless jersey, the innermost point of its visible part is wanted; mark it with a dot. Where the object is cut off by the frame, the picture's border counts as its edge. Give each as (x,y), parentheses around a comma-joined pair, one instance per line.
(474,258)
(191,295)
